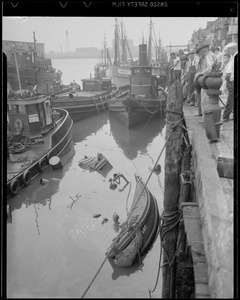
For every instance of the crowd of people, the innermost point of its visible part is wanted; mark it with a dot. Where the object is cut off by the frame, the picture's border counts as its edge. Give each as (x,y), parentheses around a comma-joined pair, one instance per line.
(186,65)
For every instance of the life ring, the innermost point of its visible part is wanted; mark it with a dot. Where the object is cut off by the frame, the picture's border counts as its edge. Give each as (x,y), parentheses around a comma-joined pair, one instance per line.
(18,124)
(14,186)
(27,177)
(42,163)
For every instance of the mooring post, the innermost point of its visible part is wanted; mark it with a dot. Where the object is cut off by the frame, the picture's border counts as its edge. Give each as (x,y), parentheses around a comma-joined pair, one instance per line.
(173,158)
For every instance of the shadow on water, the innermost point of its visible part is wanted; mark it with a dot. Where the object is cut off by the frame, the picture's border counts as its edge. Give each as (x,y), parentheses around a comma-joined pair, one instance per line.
(118,271)
(136,139)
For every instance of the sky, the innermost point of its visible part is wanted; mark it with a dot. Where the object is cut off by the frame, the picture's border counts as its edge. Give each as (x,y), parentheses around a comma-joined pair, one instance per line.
(90,31)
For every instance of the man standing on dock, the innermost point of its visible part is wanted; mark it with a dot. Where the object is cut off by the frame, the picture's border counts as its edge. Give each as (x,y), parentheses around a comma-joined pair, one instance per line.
(230,48)
(191,71)
(206,62)
(176,67)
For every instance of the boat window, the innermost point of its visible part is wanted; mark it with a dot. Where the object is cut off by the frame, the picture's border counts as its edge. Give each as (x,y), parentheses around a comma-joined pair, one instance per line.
(13,109)
(31,109)
(22,109)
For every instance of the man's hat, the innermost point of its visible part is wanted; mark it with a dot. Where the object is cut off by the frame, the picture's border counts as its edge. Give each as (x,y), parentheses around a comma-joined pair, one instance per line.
(202,45)
(184,57)
(230,45)
(192,51)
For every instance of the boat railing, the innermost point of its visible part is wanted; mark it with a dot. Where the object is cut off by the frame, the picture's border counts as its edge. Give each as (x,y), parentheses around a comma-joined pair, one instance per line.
(55,140)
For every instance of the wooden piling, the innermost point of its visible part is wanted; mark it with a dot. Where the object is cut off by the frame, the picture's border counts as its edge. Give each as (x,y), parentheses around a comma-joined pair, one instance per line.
(173,158)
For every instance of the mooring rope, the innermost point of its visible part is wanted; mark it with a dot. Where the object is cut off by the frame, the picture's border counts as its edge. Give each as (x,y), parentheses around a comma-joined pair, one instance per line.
(126,222)
(159,264)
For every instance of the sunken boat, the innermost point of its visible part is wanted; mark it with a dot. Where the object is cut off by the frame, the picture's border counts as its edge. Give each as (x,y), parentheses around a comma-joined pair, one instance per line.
(139,230)
(147,99)
(36,133)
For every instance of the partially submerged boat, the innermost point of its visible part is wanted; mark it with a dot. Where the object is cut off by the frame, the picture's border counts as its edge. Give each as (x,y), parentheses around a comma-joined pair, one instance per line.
(92,99)
(35,134)
(140,229)
(147,98)
(97,163)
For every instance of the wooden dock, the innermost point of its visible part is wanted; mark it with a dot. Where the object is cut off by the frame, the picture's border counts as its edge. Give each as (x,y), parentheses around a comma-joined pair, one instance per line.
(213,221)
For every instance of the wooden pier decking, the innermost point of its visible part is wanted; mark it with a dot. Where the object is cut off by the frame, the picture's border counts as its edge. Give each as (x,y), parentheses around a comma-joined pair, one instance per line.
(213,184)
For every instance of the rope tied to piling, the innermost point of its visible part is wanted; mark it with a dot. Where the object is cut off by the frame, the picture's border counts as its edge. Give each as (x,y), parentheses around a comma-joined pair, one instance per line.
(169,221)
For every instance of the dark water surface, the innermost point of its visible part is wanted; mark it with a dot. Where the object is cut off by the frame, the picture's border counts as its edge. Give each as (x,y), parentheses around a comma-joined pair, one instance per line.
(55,246)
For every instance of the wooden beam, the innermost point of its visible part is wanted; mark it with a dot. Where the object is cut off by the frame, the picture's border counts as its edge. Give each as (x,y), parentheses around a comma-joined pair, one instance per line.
(173,158)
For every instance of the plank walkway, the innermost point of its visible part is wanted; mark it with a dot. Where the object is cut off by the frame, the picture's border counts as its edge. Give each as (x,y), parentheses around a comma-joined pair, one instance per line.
(213,215)
(192,225)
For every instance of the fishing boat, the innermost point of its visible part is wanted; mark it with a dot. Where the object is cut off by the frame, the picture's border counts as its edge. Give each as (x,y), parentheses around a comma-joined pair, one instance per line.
(105,62)
(147,98)
(92,99)
(27,65)
(120,70)
(139,230)
(36,132)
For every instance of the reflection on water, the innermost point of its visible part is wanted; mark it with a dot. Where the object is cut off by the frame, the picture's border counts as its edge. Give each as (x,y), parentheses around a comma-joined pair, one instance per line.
(136,139)
(53,238)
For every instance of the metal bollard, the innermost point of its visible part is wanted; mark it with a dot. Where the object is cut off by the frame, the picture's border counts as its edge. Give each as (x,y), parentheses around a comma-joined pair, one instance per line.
(209,126)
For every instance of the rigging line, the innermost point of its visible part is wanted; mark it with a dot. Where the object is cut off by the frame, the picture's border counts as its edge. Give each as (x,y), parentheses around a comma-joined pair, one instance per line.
(160,260)
(130,187)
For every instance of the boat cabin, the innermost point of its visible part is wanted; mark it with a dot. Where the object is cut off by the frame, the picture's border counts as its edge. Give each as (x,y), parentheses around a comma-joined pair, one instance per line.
(143,82)
(96,85)
(30,116)
(49,87)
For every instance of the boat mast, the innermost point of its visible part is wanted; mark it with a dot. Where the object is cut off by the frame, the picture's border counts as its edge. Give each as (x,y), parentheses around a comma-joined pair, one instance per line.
(34,51)
(15,58)
(105,50)
(150,43)
(116,46)
(123,42)
(159,49)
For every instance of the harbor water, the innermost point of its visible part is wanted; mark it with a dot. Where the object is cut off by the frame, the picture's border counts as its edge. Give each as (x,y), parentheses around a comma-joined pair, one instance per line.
(54,244)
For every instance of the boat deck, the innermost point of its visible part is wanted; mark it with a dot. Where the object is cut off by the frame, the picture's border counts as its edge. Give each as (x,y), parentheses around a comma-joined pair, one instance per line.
(82,94)
(214,197)
(20,161)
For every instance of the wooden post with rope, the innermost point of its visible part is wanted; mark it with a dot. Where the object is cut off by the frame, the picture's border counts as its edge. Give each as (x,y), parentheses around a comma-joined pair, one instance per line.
(173,158)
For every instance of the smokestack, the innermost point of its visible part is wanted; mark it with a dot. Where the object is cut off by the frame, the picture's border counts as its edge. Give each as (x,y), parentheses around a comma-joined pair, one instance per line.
(143,60)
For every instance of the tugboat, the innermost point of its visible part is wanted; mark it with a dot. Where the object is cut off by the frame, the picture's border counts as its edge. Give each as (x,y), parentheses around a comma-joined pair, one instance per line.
(36,133)
(147,98)
(92,99)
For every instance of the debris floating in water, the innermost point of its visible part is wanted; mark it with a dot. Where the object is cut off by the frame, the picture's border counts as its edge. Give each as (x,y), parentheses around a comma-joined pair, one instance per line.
(115,217)
(96,215)
(104,221)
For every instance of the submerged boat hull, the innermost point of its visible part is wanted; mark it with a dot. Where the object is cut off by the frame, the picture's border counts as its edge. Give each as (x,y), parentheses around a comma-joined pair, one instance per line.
(144,216)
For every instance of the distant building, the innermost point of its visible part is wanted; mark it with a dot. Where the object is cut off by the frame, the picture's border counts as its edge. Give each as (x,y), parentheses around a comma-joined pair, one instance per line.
(22,48)
(218,33)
